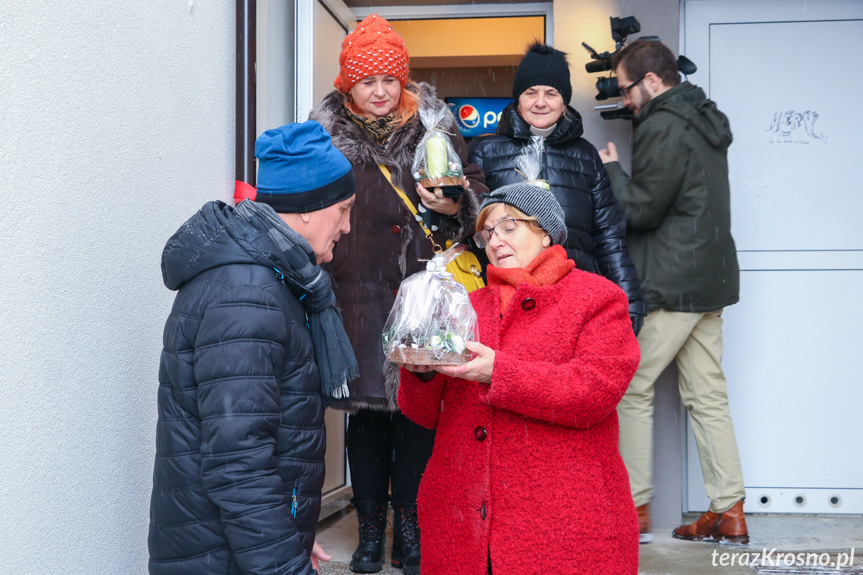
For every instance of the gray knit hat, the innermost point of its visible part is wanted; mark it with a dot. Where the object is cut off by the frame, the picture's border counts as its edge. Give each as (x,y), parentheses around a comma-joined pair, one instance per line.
(533,201)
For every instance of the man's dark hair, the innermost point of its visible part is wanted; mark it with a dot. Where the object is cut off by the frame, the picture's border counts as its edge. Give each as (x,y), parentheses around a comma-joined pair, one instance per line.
(643,56)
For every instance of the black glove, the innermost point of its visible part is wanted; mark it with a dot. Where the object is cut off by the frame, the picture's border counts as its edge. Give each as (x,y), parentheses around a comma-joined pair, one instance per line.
(452,192)
(637,321)
(430,218)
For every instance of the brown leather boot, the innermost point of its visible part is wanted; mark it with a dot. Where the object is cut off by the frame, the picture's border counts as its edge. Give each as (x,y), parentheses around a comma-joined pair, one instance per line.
(644,534)
(729,526)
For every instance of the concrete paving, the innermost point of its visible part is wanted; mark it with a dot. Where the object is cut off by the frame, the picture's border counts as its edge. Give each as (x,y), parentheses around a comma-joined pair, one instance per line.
(770,535)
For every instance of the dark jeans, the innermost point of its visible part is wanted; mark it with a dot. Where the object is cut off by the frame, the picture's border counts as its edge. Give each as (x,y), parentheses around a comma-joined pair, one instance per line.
(387,449)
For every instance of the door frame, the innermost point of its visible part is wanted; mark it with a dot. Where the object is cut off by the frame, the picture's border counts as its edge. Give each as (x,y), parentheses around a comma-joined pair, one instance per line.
(545,9)
(304,47)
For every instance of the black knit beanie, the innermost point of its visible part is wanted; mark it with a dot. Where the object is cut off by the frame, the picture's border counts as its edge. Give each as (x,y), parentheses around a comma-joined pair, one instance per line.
(542,66)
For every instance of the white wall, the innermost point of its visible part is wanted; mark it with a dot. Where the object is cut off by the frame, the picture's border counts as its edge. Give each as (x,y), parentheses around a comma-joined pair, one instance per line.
(116,124)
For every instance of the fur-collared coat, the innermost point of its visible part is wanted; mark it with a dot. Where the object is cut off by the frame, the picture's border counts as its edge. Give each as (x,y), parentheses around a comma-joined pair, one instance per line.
(527,468)
(385,243)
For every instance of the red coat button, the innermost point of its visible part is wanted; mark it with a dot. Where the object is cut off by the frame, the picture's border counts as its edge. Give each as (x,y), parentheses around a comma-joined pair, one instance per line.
(397,230)
(480,433)
(528,304)
(482,511)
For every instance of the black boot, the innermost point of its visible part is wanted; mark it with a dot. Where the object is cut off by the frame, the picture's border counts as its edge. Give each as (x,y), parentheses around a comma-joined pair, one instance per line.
(369,556)
(406,539)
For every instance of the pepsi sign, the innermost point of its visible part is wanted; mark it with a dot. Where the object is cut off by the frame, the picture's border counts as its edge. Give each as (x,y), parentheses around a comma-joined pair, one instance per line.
(477,116)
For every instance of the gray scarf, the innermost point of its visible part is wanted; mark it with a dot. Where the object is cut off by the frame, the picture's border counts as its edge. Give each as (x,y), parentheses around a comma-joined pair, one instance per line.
(333,353)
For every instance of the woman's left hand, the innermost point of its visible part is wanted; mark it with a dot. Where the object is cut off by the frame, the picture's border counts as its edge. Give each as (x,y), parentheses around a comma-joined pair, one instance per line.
(436,201)
(478,369)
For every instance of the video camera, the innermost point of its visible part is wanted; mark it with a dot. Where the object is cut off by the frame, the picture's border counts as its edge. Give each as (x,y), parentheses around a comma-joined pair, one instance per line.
(607,87)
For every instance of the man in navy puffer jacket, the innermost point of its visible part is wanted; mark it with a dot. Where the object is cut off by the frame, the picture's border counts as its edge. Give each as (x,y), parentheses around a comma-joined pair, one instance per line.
(253,346)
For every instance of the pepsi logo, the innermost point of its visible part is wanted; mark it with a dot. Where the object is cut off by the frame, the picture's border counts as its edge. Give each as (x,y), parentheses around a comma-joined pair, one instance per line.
(468,117)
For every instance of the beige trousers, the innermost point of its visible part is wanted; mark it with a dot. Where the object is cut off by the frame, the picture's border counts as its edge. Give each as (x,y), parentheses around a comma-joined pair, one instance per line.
(694,340)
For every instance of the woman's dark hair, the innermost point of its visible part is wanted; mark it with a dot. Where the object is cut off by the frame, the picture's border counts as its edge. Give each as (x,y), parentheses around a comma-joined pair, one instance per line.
(643,56)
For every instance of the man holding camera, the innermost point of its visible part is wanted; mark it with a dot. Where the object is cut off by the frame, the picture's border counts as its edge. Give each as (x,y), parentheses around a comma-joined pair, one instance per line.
(677,208)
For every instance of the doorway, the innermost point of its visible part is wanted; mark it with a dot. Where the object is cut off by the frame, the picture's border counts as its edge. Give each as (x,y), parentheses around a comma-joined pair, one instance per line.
(297,52)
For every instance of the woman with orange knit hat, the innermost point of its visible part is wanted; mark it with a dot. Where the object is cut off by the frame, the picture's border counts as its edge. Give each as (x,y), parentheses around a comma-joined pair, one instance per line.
(373,118)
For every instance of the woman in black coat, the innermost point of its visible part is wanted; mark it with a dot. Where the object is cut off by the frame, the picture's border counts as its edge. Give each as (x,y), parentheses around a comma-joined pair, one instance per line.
(570,164)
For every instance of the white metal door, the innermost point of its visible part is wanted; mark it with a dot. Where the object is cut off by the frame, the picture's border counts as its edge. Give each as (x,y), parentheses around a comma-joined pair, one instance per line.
(788,75)
(315,29)
(321,25)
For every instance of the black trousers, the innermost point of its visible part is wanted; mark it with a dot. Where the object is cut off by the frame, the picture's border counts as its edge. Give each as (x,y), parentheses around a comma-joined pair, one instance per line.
(387,449)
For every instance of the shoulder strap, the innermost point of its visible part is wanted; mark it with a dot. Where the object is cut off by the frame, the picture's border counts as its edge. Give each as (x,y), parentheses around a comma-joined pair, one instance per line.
(408,203)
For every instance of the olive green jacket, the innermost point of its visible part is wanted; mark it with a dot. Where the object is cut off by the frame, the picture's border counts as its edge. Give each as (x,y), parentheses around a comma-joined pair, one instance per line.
(677,203)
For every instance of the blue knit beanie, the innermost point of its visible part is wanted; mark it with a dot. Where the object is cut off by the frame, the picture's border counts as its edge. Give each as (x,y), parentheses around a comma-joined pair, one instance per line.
(300,170)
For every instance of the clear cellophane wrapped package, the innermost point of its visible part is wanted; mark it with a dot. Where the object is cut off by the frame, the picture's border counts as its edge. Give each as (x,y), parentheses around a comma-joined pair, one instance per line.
(529,163)
(432,317)
(436,162)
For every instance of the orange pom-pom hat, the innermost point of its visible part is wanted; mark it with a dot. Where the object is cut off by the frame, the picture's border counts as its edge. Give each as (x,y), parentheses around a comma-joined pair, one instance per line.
(372,48)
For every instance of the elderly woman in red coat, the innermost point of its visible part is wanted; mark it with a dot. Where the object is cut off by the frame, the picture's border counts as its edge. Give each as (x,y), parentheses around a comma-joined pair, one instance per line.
(525,476)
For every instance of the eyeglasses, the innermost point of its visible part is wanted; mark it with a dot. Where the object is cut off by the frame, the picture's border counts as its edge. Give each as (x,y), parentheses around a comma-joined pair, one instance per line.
(625,91)
(503,229)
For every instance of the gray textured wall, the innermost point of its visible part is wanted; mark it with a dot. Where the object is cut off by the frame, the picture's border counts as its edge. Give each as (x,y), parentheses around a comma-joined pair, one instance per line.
(577,21)
(116,124)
